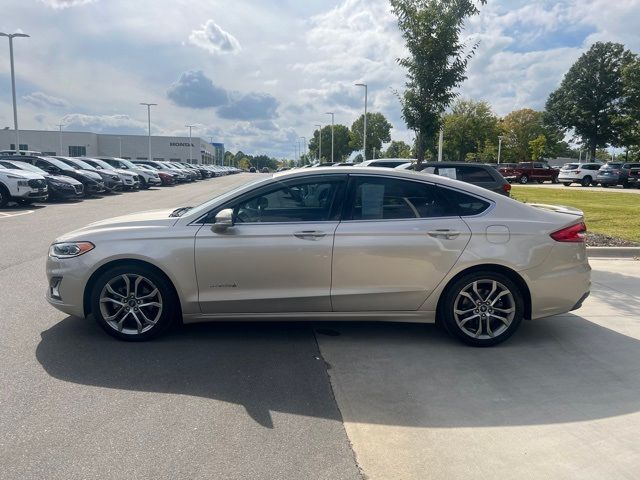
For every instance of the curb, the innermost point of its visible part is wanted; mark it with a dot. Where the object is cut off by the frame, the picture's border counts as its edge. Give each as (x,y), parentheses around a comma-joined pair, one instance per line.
(613,252)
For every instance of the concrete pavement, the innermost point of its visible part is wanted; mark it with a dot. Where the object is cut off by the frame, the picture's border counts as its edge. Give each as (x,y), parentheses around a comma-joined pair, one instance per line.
(559,400)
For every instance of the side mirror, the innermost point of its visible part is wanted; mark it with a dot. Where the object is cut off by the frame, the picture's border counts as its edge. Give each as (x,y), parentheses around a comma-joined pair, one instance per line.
(224,220)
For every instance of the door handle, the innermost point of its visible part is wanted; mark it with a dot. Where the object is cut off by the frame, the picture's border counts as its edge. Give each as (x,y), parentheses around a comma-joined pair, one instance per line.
(445,233)
(310,235)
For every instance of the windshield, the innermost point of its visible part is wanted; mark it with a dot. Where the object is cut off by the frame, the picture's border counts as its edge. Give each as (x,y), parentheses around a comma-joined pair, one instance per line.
(60,164)
(102,164)
(612,165)
(78,164)
(28,166)
(127,163)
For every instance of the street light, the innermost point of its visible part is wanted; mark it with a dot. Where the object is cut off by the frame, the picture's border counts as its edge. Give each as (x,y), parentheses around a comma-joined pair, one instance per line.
(149,105)
(319,142)
(11,36)
(500,138)
(364,137)
(333,116)
(304,146)
(190,152)
(60,125)
(120,145)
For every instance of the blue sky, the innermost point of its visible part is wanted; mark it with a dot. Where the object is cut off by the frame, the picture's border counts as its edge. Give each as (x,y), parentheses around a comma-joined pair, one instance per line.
(257,75)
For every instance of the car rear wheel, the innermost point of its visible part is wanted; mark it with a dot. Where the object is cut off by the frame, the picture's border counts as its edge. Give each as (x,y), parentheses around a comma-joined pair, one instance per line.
(586,181)
(482,309)
(524,179)
(134,303)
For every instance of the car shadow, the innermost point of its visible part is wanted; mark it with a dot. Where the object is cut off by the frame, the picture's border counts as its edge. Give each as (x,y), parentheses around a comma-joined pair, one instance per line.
(563,369)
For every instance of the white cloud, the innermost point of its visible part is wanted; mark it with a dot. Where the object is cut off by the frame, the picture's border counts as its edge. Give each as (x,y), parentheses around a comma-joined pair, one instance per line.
(42,100)
(212,38)
(103,123)
(65,3)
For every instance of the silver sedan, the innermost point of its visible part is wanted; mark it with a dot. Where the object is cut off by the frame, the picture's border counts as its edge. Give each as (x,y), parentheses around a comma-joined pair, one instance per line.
(321,244)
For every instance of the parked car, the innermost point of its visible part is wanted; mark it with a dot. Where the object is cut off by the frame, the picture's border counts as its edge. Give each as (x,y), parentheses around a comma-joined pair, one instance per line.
(21,186)
(130,180)
(178,176)
(190,175)
(111,179)
(634,177)
(526,172)
(252,169)
(384,162)
(91,181)
(148,177)
(583,173)
(442,248)
(475,173)
(615,173)
(61,187)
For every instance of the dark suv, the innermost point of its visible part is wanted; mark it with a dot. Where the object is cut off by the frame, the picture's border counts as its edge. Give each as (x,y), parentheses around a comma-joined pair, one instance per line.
(484,176)
(615,173)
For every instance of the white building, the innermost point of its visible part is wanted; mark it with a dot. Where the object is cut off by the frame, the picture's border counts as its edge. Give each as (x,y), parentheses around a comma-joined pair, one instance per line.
(79,144)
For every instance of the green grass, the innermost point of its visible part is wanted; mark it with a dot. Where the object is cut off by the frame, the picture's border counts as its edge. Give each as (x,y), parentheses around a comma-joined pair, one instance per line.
(615,214)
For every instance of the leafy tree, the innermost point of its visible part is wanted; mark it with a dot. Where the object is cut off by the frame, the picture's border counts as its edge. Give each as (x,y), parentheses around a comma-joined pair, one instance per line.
(467,129)
(342,136)
(628,123)
(523,126)
(589,98)
(244,164)
(378,132)
(436,63)
(537,147)
(397,149)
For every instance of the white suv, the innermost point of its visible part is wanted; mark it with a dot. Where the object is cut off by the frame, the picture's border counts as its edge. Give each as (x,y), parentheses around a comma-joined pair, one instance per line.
(21,186)
(582,173)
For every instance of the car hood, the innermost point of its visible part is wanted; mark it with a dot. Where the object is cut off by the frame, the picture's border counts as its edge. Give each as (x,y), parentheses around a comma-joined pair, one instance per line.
(21,173)
(89,174)
(140,220)
(64,179)
(126,173)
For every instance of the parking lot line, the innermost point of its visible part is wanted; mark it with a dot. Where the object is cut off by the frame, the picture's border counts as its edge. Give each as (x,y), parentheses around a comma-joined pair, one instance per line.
(15,214)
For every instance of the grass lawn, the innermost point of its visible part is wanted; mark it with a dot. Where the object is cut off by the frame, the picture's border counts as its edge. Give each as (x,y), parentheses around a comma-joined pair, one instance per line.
(615,214)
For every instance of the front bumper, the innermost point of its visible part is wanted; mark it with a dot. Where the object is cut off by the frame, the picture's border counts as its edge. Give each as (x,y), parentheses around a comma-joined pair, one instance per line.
(71,191)
(30,193)
(67,275)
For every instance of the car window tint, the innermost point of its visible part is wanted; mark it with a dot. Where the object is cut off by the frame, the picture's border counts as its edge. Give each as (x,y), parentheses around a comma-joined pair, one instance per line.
(388,199)
(474,175)
(462,204)
(300,202)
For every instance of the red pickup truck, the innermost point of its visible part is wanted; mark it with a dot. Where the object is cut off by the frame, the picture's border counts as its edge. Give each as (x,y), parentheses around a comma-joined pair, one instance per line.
(526,172)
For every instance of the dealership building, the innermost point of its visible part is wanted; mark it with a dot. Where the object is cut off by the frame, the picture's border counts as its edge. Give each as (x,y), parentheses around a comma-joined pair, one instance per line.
(132,147)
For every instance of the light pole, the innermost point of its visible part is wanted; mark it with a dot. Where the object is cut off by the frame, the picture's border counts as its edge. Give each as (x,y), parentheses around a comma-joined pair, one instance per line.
(60,125)
(319,142)
(304,146)
(333,117)
(500,138)
(120,146)
(190,150)
(364,136)
(440,143)
(149,105)
(11,36)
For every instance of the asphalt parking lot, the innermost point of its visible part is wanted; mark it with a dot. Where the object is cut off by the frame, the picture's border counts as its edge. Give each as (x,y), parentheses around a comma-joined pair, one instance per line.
(301,401)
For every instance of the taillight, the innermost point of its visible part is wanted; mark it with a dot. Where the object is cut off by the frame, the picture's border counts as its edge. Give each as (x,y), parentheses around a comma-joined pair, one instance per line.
(573,234)
(506,187)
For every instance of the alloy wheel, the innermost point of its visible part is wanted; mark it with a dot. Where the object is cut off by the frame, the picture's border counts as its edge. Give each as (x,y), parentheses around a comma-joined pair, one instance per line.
(484,309)
(131,304)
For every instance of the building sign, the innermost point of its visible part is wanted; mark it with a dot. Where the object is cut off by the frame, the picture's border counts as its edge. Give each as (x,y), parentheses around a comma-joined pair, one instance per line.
(181,144)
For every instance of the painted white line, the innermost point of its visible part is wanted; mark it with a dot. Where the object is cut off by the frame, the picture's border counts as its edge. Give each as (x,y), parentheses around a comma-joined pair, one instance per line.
(16,214)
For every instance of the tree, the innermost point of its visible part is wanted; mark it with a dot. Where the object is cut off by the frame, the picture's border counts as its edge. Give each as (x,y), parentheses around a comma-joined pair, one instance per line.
(589,98)
(628,123)
(523,126)
(378,132)
(436,63)
(537,147)
(467,129)
(244,164)
(341,143)
(397,149)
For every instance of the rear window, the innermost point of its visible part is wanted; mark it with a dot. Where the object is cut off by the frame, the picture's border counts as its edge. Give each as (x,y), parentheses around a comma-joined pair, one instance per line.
(462,204)
(570,166)
(475,175)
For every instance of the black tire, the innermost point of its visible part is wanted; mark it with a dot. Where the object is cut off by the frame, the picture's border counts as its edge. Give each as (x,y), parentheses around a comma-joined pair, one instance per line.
(586,181)
(484,281)
(524,179)
(25,202)
(143,184)
(626,185)
(605,185)
(168,315)
(555,180)
(566,184)
(4,196)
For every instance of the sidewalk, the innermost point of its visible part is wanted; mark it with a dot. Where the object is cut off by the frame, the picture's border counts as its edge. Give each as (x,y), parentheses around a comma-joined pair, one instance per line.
(559,400)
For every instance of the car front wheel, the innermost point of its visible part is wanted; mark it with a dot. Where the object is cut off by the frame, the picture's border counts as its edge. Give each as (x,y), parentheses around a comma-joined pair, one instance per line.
(134,303)
(524,179)
(586,181)
(482,309)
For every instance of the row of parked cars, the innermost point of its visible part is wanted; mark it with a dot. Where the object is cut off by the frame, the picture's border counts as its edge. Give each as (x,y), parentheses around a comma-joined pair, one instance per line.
(28,178)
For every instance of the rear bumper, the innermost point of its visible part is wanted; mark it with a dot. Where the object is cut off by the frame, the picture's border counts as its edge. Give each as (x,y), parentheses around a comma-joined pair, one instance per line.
(608,180)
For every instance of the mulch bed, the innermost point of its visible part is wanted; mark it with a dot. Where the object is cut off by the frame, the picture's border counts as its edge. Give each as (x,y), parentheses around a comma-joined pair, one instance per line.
(600,240)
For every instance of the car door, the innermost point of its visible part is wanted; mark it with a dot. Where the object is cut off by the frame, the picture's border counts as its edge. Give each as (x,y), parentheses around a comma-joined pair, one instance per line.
(396,242)
(277,255)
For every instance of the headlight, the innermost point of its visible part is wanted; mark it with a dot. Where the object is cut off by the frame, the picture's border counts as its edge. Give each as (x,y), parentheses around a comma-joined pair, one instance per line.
(70,249)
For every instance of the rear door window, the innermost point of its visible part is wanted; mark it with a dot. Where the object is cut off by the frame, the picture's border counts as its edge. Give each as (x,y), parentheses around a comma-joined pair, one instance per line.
(474,175)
